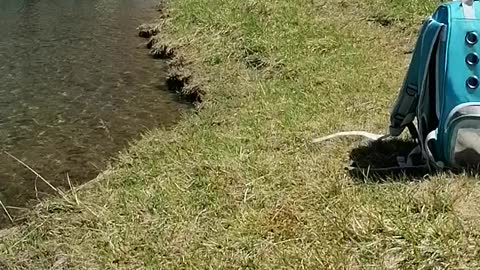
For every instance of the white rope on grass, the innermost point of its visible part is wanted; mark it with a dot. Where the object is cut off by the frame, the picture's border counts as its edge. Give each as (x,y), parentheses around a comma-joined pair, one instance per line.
(368,135)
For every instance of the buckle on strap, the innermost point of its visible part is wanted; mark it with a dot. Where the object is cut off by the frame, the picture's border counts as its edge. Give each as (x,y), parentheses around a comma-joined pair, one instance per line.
(411,89)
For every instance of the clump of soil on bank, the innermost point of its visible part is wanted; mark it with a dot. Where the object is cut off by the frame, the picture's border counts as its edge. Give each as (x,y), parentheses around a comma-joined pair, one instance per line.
(147,30)
(179,78)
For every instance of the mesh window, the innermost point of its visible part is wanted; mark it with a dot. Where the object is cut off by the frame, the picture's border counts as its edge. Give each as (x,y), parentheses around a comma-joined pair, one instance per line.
(466,144)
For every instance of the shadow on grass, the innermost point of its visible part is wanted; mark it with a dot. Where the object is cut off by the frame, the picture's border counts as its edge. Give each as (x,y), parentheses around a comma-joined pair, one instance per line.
(378,162)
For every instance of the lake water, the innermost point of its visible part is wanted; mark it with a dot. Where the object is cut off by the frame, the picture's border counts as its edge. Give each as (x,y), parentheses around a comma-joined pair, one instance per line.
(76,85)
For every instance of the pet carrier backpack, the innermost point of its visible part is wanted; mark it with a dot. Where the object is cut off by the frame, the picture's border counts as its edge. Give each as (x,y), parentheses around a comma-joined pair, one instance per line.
(439,101)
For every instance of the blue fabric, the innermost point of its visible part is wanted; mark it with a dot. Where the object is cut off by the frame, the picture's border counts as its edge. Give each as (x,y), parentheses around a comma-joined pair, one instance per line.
(440,53)
(454,71)
(405,107)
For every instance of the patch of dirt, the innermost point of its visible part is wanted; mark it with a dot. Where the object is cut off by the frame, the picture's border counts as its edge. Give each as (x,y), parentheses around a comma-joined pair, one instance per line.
(252,57)
(283,222)
(382,20)
(255,62)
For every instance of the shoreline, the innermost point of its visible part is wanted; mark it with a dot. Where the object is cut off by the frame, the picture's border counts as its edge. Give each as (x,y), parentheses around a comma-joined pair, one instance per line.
(17,208)
(179,79)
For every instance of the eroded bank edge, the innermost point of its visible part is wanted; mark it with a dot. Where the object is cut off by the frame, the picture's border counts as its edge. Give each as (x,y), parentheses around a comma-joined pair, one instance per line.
(179,78)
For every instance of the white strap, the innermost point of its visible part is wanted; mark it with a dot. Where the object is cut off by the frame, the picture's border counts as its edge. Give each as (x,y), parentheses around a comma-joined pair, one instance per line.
(368,135)
(432,136)
(468,10)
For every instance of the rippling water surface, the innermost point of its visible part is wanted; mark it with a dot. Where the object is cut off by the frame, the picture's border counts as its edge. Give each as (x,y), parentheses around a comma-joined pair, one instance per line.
(76,85)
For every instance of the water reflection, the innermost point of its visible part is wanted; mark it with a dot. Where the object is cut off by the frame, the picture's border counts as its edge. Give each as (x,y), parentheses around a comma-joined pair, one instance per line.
(76,86)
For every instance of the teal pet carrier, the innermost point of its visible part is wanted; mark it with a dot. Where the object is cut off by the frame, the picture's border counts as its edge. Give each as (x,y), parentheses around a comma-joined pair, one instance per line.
(439,101)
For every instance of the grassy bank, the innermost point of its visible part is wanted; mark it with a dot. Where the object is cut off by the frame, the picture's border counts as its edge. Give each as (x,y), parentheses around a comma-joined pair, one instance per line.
(239,185)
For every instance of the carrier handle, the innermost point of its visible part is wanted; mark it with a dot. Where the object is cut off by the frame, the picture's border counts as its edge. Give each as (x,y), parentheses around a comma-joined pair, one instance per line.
(468,10)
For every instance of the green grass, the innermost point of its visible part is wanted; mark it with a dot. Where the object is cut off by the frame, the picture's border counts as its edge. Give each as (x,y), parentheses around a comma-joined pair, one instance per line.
(239,185)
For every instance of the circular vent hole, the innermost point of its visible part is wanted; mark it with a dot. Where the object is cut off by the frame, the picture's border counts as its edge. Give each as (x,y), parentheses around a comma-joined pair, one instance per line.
(472,59)
(471,38)
(472,82)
